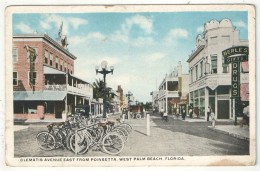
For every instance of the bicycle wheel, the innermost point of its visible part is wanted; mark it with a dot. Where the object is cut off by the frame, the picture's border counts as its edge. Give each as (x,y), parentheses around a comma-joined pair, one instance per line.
(122,131)
(81,141)
(112,143)
(138,116)
(46,141)
(126,126)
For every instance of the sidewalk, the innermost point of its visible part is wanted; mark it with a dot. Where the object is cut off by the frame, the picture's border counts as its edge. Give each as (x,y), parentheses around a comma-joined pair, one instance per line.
(232,130)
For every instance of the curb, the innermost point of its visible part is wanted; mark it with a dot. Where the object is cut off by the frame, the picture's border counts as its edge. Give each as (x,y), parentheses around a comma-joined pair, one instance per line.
(228,133)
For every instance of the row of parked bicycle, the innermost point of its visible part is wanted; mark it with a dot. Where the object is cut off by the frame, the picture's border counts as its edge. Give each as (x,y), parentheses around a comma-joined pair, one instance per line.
(79,135)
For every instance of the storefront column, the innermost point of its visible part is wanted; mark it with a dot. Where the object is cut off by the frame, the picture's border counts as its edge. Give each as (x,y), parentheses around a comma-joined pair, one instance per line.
(206,102)
(166,104)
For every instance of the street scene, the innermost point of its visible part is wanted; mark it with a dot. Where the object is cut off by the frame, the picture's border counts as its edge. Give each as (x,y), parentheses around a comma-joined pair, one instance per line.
(177,138)
(132,84)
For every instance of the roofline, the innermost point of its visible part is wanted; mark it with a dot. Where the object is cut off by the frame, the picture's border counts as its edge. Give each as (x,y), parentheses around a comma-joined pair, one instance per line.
(196,52)
(49,39)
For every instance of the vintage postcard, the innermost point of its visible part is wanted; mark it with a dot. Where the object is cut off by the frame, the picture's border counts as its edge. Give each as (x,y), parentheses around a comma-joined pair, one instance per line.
(130,85)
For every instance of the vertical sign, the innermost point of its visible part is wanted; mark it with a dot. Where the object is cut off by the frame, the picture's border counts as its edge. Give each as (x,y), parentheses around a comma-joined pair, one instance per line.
(235,79)
(32,57)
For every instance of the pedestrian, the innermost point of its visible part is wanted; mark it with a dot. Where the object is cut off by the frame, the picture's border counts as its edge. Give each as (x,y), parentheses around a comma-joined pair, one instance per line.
(183,113)
(165,116)
(212,115)
(190,112)
(208,113)
(161,112)
(177,113)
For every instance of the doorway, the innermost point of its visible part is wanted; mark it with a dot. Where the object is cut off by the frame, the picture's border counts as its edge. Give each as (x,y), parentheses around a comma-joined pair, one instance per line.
(223,109)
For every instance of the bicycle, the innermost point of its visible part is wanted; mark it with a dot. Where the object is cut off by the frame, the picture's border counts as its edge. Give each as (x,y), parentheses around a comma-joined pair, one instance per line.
(110,142)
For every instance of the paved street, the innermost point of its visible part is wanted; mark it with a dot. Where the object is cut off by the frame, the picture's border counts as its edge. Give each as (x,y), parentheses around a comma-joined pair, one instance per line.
(172,138)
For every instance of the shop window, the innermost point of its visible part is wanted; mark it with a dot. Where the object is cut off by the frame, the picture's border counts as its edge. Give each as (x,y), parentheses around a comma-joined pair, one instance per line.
(214,64)
(32,78)
(18,107)
(211,92)
(202,92)
(15,55)
(223,90)
(15,78)
(49,107)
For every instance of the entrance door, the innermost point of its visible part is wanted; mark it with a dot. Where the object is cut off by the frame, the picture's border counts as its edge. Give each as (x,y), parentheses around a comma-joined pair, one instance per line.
(223,109)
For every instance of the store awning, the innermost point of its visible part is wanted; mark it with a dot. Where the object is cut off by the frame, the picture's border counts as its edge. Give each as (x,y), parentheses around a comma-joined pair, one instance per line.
(39,95)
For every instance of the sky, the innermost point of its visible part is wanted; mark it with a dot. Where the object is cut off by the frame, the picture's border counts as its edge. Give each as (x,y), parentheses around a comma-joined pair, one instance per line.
(142,47)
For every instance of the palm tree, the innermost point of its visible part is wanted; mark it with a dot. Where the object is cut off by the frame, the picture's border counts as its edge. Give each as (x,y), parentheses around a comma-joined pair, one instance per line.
(98,90)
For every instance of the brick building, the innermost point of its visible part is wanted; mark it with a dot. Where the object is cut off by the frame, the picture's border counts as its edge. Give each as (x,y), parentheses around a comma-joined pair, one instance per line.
(49,89)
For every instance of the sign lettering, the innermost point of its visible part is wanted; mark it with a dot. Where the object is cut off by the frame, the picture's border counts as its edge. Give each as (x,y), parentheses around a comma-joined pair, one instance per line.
(235,80)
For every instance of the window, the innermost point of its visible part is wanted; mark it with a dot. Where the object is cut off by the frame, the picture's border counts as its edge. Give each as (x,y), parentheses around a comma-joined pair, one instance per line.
(196,70)
(191,75)
(51,59)
(15,55)
(57,62)
(201,68)
(46,56)
(15,78)
(32,78)
(214,64)
(65,66)
(225,66)
(61,65)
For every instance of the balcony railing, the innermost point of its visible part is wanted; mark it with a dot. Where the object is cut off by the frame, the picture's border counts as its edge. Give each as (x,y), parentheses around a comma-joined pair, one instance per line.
(163,93)
(85,91)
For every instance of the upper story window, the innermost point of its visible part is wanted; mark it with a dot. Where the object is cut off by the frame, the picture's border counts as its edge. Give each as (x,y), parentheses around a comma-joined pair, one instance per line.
(57,62)
(32,78)
(61,65)
(213,40)
(224,66)
(214,64)
(15,78)
(15,55)
(201,68)
(51,59)
(46,57)
(34,60)
(196,72)
(191,75)
(65,66)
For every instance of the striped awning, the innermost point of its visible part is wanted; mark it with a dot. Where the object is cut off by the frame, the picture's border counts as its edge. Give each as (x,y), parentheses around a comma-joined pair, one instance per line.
(39,95)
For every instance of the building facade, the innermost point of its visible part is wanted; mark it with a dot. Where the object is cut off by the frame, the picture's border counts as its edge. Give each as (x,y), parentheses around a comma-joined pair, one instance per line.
(210,77)
(173,91)
(49,89)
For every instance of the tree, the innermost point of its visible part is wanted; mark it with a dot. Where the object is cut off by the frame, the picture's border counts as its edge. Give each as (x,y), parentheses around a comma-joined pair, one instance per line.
(98,89)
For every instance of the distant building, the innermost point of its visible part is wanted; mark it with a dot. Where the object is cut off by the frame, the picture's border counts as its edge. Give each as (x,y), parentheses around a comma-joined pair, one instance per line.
(173,91)
(49,89)
(210,77)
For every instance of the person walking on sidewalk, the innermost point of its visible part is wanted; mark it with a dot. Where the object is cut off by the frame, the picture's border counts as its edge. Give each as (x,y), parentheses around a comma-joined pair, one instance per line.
(208,113)
(161,112)
(212,115)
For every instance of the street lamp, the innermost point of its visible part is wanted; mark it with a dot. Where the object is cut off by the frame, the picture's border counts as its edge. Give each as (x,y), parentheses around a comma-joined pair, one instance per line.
(104,71)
